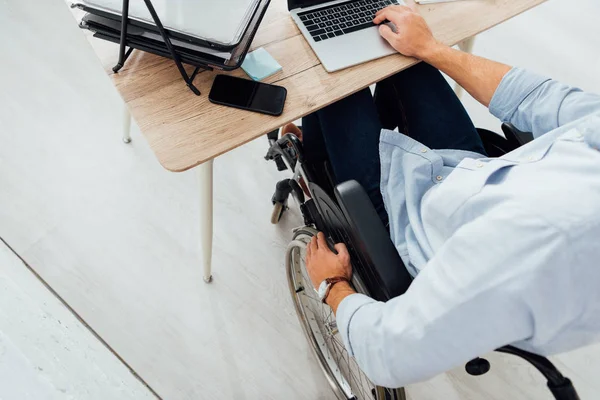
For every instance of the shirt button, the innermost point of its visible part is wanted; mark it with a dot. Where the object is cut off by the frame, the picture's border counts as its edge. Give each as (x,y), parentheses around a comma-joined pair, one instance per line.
(530,158)
(479,165)
(439,178)
(423,150)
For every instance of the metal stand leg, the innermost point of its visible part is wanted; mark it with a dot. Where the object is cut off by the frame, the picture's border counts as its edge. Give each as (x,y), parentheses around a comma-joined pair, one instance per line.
(466,46)
(188,80)
(123,55)
(126,125)
(124,21)
(205,177)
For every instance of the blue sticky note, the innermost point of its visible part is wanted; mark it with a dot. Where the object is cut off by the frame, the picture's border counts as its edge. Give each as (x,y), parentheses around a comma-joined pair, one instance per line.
(260,64)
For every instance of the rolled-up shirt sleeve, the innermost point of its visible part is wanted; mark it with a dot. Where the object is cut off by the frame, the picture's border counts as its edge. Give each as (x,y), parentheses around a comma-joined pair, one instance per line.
(537,104)
(465,303)
(346,310)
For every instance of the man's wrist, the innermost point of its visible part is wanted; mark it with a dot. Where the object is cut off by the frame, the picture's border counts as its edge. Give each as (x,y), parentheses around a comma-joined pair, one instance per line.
(433,52)
(338,293)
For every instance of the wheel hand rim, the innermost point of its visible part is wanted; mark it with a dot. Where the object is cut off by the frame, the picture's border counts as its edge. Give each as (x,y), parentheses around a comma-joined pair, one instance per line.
(341,370)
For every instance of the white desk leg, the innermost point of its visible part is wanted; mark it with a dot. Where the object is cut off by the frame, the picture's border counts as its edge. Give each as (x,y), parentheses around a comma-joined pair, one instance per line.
(205,177)
(126,125)
(466,46)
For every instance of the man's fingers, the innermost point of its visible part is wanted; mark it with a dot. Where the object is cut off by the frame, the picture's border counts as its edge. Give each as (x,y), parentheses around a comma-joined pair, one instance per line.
(387,33)
(381,16)
(322,242)
(396,7)
(390,13)
(341,249)
(312,246)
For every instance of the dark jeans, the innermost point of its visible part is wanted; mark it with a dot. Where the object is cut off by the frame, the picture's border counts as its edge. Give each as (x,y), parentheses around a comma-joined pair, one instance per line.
(418,101)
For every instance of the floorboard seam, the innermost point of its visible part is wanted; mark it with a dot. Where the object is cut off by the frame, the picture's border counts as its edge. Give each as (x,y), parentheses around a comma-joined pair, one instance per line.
(80,319)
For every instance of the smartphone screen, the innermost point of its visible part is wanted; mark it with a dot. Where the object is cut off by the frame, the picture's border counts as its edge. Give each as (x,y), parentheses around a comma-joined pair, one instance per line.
(248,95)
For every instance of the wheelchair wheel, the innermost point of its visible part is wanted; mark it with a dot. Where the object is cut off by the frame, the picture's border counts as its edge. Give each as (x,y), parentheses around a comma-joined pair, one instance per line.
(319,325)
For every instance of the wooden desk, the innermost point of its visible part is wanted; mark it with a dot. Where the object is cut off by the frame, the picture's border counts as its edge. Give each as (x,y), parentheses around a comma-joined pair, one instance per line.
(185,130)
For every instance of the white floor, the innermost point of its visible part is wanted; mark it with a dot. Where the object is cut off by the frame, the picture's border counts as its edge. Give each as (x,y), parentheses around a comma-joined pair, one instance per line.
(116,236)
(46,352)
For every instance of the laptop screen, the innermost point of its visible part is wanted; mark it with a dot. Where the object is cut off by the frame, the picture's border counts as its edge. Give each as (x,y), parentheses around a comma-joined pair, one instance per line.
(293,4)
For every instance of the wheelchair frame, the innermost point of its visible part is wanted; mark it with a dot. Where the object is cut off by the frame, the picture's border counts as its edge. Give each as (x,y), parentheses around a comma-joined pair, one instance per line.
(287,152)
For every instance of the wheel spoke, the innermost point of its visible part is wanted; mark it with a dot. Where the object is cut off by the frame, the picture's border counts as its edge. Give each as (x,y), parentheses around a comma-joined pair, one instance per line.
(360,375)
(317,301)
(322,327)
(311,306)
(330,313)
(350,372)
(340,351)
(359,372)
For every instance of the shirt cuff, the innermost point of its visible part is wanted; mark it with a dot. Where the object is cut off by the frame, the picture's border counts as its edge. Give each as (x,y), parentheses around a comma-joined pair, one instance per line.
(516,85)
(345,312)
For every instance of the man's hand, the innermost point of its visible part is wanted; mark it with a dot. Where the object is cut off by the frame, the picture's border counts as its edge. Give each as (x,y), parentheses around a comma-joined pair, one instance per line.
(412,38)
(322,263)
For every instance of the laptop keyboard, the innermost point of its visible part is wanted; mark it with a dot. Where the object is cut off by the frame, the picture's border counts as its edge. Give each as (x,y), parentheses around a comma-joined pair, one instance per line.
(343,18)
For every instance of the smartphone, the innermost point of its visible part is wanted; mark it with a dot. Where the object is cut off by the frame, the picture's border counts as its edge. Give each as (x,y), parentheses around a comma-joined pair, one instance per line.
(248,95)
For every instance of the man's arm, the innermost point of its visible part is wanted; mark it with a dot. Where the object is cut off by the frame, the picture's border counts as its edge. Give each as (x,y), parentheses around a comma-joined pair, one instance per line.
(413,38)
(531,102)
(471,298)
(478,76)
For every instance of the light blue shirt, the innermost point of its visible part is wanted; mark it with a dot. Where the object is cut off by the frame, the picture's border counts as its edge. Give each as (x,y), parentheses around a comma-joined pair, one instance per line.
(505,251)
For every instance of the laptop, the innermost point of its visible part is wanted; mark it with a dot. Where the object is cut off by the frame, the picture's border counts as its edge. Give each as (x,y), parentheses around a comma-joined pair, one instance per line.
(342,33)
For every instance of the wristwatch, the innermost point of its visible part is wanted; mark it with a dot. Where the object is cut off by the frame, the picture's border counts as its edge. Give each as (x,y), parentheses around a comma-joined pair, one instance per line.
(327,284)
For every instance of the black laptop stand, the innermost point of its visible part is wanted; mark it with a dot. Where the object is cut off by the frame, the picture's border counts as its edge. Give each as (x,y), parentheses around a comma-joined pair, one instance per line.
(124,54)
(121,32)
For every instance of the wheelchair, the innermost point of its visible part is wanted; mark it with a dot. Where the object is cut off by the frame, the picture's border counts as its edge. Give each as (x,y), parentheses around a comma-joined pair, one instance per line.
(344,213)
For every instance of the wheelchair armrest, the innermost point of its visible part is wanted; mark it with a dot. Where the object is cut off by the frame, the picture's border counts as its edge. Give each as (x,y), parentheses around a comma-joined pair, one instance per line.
(496,146)
(516,137)
(390,275)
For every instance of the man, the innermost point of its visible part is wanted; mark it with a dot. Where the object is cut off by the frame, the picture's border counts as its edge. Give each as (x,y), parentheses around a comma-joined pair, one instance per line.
(505,251)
